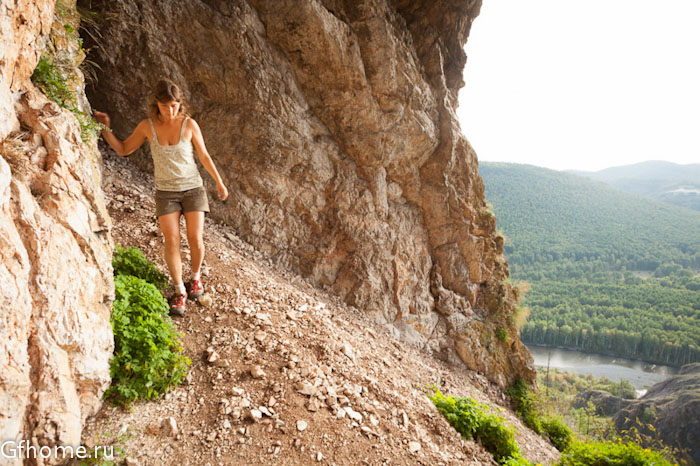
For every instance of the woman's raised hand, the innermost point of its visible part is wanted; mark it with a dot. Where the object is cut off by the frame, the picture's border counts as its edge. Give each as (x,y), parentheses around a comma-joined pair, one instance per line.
(102,118)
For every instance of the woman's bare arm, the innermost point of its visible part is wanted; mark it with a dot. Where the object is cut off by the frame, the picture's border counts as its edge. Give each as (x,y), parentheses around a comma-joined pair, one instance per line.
(130,144)
(205,158)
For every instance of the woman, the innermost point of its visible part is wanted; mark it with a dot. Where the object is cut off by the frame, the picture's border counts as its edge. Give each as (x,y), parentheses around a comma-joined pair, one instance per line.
(179,188)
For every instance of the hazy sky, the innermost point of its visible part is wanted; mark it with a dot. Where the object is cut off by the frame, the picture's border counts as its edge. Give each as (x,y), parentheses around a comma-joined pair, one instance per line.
(583,84)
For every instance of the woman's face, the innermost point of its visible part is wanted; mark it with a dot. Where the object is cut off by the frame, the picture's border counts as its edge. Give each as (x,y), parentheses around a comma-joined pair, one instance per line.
(168,110)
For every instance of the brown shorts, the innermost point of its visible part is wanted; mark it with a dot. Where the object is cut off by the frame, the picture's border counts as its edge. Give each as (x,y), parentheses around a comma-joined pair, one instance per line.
(185,201)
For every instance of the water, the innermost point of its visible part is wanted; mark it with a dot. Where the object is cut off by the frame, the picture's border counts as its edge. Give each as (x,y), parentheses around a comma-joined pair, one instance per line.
(640,374)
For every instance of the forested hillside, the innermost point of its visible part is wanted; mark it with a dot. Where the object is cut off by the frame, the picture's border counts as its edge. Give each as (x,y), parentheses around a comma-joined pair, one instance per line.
(609,271)
(665,181)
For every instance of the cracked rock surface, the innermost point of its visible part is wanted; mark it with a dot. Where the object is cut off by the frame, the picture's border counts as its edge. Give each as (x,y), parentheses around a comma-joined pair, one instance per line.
(55,250)
(333,125)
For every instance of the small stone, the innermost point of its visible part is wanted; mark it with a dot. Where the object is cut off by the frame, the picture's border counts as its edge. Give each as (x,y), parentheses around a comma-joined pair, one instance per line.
(205,300)
(257,372)
(373,420)
(265,411)
(236,391)
(414,447)
(319,456)
(306,388)
(347,351)
(169,426)
(313,405)
(255,415)
(302,425)
(213,357)
(354,415)
(129,461)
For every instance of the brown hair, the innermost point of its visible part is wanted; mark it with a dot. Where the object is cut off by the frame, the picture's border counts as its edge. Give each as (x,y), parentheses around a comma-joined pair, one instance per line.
(165,91)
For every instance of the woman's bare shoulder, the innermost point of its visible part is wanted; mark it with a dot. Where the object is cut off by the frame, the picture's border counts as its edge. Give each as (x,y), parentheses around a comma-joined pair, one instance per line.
(192,124)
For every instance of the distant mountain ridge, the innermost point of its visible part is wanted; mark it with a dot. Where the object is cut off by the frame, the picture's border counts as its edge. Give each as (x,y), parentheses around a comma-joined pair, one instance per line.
(551,213)
(665,181)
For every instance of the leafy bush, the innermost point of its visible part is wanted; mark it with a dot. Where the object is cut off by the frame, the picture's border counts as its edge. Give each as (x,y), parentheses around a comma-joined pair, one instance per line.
(131,261)
(524,402)
(517,461)
(610,453)
(502,334)
(148,356)
(558,433)
(471,420)
(48,77)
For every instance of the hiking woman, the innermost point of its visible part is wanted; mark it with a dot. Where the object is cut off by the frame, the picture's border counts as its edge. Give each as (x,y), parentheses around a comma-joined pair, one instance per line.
(179,188)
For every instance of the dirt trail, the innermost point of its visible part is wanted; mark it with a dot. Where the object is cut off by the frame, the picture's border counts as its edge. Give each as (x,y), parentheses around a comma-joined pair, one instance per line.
(356,390)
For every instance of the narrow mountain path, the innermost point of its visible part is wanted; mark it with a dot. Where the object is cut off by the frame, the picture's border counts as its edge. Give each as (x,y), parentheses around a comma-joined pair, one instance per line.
(282,372)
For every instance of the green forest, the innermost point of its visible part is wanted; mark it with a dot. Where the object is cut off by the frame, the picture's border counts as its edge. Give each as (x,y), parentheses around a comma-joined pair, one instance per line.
(608,271)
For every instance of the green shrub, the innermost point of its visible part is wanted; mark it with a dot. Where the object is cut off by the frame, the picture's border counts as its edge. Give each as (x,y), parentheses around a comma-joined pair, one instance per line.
(610,453)
(524,402)
(148,356)
(558,433)
(471,420)
(517,461)
(48,77)
(131,261)
(502,334)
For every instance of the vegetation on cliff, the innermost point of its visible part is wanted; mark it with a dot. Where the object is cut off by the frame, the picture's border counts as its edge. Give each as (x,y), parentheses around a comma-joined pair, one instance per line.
(609,272)
(473,420)
(58,72)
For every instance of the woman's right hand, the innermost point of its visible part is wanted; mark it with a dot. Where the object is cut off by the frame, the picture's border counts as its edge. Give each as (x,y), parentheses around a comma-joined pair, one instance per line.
(102,118)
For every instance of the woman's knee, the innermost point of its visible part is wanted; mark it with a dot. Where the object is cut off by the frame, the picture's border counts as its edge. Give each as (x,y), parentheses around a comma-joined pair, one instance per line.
(172,239)
(195,240)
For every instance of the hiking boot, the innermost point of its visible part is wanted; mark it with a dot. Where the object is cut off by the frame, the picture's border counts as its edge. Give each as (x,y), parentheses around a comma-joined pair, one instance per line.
(195,288)
(177,304)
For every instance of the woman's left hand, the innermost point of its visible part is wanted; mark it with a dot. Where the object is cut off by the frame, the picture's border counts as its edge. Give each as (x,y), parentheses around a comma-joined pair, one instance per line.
(222,191)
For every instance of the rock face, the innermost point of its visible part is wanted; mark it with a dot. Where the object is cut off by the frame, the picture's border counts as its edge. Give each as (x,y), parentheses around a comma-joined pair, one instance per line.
(606,404)
(333,125)
(673,408)
(55,248)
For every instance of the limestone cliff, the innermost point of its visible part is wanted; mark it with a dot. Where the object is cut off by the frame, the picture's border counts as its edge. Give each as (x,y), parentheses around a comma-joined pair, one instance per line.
(55,245)
(333,124)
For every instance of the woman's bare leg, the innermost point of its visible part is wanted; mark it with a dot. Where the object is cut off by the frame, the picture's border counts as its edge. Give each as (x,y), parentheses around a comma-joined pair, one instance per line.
(195,237)
(170,226)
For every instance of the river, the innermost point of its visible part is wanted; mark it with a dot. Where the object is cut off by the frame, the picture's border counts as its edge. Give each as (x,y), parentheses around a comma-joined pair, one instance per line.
(640,374)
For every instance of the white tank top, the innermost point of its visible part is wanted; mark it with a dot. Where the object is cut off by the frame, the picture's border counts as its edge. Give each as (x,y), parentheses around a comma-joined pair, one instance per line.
(174,167)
